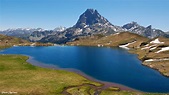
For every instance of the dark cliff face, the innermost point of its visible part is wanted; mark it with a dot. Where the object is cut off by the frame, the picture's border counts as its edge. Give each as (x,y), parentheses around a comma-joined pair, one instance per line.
(148,31)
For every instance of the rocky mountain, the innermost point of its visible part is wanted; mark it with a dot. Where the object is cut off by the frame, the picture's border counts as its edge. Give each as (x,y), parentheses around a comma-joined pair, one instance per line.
(144,31)
(92,23)
(89,23)
(38,35)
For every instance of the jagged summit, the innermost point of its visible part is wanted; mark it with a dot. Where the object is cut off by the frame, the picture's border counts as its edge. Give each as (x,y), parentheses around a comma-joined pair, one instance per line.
(130,25)
(149,27)
(90,17)
(92,11)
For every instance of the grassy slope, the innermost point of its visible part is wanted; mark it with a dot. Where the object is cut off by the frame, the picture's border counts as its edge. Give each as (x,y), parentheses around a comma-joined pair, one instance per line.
(19,76)
(111,41)
(8,41)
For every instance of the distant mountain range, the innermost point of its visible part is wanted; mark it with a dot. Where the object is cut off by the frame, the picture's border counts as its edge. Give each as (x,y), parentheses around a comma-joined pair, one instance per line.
(20,32)
(89,23)
(31,34)
(148,31)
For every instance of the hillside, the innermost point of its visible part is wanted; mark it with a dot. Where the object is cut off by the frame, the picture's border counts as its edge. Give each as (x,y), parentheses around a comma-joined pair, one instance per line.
(114,40)
(8,41)
(156,55)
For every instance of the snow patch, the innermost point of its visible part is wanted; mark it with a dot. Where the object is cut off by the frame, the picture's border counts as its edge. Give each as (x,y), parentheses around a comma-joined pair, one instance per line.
(156,41)
(78,30)
(100,45)
(153,48)
(15,45)
(148,47)
(33,44)
(116,33)
(163,49)
(125,46)
(86,26)
(151,60)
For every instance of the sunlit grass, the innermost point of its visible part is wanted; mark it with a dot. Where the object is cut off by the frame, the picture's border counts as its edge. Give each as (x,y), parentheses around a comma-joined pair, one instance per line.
(24,78)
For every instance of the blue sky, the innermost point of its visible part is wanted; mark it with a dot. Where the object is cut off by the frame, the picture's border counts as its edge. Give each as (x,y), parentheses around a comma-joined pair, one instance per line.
(49,14)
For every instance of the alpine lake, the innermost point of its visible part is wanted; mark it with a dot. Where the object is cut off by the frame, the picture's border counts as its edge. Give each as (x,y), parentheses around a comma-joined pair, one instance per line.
(105,64)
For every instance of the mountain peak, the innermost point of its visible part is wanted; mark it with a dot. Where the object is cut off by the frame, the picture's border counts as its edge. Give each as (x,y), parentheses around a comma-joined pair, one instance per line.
(92,11)
(149,27)
(130,25)
(133,22)
(90,17)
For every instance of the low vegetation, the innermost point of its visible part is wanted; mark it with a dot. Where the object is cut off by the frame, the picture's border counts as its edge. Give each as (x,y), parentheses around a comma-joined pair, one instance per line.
(113,40)
(7,41)
(19,76)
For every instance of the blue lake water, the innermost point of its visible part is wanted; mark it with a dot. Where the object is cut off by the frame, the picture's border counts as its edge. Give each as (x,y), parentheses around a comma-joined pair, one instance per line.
(105,64)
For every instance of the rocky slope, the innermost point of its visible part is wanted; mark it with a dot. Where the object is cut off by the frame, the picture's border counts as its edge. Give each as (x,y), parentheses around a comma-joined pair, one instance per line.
(92,22)
(37,36)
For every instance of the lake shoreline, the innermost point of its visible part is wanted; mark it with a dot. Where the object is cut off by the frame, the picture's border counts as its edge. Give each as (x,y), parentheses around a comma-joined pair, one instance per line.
(143,64)
(104,84)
